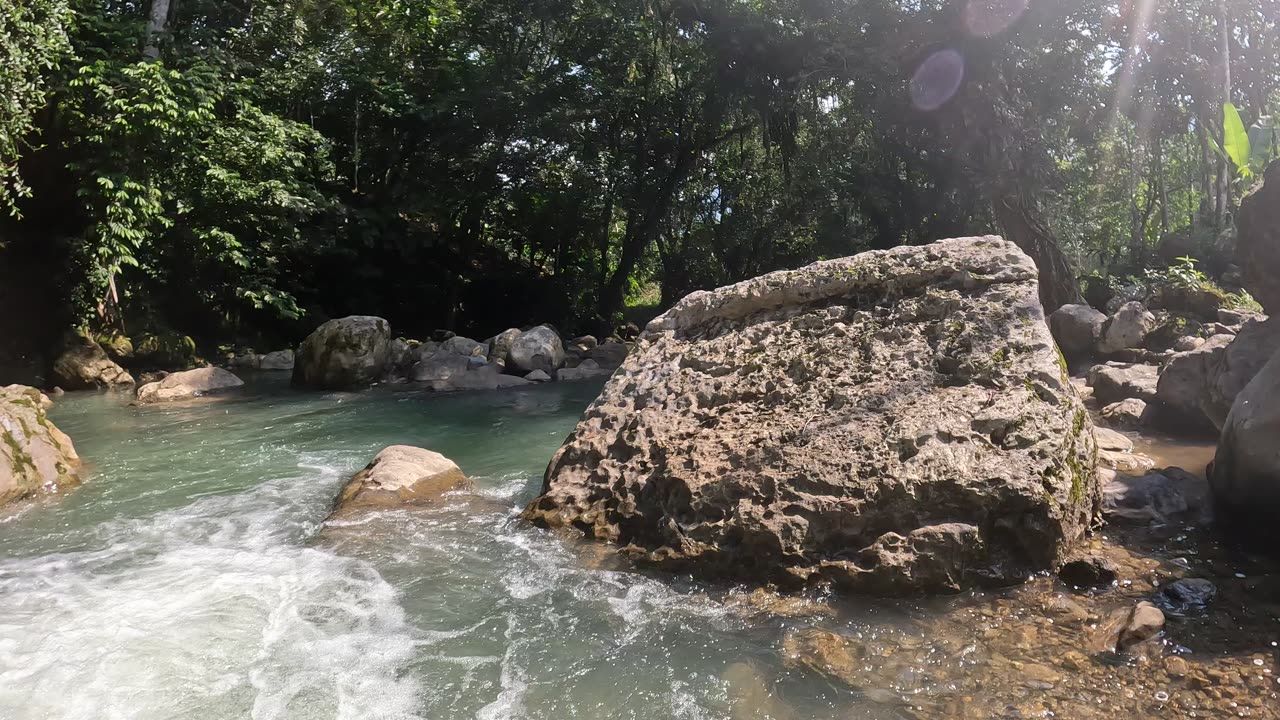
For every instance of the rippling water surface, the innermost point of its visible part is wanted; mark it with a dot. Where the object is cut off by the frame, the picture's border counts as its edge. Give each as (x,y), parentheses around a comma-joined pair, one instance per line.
(191,576)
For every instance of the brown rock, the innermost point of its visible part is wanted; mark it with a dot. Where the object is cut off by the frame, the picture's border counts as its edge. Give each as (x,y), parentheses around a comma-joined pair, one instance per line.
(35,456)
(401,475)
(897,421)
(189,384)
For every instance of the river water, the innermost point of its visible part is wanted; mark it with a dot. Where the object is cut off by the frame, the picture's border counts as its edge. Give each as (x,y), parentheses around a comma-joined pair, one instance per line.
(192,576)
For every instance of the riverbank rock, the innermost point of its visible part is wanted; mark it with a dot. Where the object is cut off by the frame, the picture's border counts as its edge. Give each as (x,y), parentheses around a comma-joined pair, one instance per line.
(1077,329)
(893,422)
(188,384)
(1245,475)
(400,475)
(345,353)
(84,365)
(1128,414)
(1116,381)
(1229,372)
(584,371)
(277,361)
(35,456)
(536,349)
(1258,241)
(1184,386)
(1128,328)
(1157,497)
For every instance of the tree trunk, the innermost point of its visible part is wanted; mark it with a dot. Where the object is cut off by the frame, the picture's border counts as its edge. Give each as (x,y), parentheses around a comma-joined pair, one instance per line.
(1223,187)
(1021,226)
(157,25)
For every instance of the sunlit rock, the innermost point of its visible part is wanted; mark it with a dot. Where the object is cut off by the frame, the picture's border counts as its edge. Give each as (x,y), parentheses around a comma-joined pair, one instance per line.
(398,476)
(188,384)
(345,353)
(84,365)
(892,422)
(35,456)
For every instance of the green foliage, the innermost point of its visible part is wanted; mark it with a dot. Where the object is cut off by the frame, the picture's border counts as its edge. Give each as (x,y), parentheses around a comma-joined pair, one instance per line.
(1236,140)
(33,40)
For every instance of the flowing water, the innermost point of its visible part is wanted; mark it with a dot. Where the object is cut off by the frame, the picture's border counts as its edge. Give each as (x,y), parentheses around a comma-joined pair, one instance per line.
(192,576)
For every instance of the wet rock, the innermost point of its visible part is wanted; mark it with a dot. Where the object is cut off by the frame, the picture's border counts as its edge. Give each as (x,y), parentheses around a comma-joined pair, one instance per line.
(1115,381)
(84,365)
(1127,328)
(536,349)
(826,653)
(1157,497)
(1186,597)
(538,376)
(1128,414)
(510,381)
(189,384)
(584,371)
(398,476)
(1145,622)
(1245,475)
(345,353)
(789,429)
(1089,571)
(1076,328)
(1258,240)
(1066,611)
(35,456)
(439,370)
(277,361)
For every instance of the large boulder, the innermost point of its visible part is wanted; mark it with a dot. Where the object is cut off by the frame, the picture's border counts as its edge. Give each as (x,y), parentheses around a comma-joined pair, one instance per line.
(189,384)
(1127,328)
(1235,367)
(35,456)
(463,346)
(440,370)
(84,365)
(398,476)
(500,345)
(1245,475)
(1184,385)
(1113,382)
(892,422)
(536,349)
(1077,329)
(277,361)
(344,353)
(1258,242)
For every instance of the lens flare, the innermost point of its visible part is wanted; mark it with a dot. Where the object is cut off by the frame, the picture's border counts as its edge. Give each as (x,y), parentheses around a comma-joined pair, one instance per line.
(937,79)
(986,18)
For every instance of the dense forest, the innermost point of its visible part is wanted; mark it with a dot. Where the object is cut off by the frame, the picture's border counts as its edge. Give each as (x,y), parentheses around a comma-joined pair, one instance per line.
(214,172)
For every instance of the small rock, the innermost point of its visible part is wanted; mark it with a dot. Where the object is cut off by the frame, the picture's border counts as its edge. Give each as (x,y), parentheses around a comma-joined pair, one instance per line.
(1176,667)
(1112,440)
(1129,414)
(1115,381)
(1145,622)
(1190,596)
(1089,571)
(401,475)
(538,376)
(1040,674)
(1187,344)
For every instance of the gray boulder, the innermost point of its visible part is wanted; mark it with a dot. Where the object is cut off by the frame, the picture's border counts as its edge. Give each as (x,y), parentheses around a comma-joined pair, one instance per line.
(1128,328)
(1077,329)
(440,370)
(84,365)
(500,346)
(35,456)
(188,384)
(1127,414)
(277,361)
(1245,475)
(1184,385)
(1156,497)
(609,355)
(465,347)
(345,353)
(538,376)
(1113,382)
(585,370)
(893,422)
(1230,371)
(536,349)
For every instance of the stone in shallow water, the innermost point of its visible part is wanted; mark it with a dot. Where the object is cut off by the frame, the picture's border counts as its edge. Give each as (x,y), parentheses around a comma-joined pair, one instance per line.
(35,456)
(893,422)
(1189,596)
(1145,622)
(189,384)
(1088,571)
(345,353)
(401,475)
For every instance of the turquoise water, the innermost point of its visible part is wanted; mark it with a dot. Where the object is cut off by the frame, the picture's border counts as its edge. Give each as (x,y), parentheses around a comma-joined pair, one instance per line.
(193,576)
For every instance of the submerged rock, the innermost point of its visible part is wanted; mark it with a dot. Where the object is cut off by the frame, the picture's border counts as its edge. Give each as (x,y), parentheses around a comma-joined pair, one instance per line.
(345,353)
(84,365)
(1186,597)
(400,475)
(35,456)
(188,384)
(1144,622)
(892,422)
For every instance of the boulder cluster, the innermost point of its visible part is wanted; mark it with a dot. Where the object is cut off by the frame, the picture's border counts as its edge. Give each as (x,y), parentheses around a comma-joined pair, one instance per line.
(359,351)
(1190,363)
